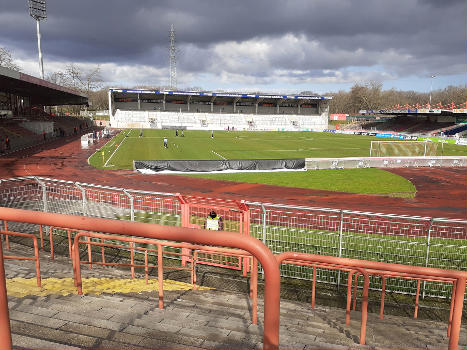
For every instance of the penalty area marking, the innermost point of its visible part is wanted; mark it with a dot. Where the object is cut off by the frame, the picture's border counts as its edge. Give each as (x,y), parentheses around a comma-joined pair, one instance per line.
(217,154)
(116,149)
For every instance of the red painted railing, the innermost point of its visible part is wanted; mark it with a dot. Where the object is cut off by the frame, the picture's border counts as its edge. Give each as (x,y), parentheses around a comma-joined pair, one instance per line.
(197,238)
(386,269)
(233,211)
(160,267)
(177,234)
(313,261)
(7,233)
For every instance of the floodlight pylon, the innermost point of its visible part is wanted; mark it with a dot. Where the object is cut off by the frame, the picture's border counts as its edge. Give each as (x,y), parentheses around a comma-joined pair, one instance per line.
(38,11)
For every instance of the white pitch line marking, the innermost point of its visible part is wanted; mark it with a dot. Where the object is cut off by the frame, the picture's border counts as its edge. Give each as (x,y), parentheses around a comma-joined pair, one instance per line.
(116,149)
(217,154)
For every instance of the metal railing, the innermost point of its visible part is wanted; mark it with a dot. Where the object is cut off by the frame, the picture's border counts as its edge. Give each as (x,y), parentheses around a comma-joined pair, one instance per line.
(173,234)
(457,278)
(402,239)
(193,238)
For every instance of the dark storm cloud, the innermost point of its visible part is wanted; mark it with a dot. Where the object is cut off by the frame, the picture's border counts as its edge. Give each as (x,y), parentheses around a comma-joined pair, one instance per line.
(404,36)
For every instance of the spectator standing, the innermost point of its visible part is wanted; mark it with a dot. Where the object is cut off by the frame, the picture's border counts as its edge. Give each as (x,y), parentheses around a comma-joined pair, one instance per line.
(214,222)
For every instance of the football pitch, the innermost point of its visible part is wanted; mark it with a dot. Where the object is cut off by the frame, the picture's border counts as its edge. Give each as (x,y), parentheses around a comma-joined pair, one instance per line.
(128,145)
(199,145)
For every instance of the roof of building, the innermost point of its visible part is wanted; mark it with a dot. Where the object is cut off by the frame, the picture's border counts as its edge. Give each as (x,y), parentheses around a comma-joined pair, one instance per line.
(40,91)
(223,94)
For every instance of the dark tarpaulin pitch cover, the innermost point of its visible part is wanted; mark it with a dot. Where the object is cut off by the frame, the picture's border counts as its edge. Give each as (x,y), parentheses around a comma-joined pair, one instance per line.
(219,165)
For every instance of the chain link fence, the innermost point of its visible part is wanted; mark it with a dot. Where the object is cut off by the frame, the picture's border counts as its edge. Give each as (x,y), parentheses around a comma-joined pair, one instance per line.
(411,240)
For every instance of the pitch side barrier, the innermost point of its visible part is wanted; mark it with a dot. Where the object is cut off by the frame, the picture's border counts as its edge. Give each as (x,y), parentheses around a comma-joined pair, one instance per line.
(403,239)
(207,166)
(385,162)
(415,240)
(152,231)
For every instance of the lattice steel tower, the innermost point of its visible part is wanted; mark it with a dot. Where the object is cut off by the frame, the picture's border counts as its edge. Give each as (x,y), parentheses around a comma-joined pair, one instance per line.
(173,59)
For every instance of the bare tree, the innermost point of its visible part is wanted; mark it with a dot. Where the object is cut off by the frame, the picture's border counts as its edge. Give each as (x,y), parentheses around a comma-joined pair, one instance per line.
(99,99)
(366,96)
(370,96)
(6,60)
(84,80)
(59,78)
(340,102)
(78,79)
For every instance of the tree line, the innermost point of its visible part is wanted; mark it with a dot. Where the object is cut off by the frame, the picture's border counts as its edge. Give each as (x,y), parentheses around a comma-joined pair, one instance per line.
(371,96)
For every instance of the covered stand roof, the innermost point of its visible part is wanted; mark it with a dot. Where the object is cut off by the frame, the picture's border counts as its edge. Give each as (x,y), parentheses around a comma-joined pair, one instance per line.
(218,96)
(41,92)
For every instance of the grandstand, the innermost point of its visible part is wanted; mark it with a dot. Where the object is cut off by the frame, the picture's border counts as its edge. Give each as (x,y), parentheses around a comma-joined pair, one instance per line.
(23,120)
(216,111)
(416,121)
(411,124)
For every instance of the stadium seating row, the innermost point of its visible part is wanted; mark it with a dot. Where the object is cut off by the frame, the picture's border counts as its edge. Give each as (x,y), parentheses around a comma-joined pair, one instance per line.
(405,125)
(217,121)
(16,134)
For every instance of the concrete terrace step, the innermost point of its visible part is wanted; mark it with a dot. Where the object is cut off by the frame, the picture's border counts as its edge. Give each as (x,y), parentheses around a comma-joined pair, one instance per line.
(203,319)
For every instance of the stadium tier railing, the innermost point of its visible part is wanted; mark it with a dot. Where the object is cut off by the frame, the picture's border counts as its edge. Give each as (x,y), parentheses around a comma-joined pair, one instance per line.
(315,261)
(414,240)
(458,278)
(132,232)
(109,241)
(158,232)
(6,233)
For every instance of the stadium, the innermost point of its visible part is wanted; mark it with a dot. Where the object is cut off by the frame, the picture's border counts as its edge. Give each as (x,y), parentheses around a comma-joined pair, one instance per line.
(216,111)
(341,225)
(228,219)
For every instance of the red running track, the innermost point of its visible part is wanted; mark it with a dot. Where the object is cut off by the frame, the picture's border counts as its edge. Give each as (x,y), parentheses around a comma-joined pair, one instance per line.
(441,192)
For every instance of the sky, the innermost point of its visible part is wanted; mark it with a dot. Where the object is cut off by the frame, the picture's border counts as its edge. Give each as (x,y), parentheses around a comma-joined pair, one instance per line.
(248,45)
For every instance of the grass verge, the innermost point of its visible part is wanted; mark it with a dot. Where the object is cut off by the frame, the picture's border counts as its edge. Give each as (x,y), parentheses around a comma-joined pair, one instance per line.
(364,181)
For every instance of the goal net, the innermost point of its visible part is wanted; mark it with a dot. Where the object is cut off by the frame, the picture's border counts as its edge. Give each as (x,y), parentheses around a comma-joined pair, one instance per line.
(402,148)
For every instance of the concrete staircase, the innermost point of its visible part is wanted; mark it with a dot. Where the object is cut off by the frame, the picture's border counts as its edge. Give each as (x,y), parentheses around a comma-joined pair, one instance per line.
(209,319)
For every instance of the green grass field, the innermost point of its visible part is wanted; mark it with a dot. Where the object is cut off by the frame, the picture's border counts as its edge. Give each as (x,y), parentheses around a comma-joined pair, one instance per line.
(127,146)
(368,181)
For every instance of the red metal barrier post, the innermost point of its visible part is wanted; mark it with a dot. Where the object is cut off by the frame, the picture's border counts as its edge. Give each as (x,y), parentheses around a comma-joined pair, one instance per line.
(5,332)
(36,252)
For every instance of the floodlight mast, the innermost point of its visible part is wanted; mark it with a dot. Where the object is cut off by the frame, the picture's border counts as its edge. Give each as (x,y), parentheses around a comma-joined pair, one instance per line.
(38,11)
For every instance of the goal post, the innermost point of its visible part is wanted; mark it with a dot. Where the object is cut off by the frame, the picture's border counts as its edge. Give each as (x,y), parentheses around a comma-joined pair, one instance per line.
(402,148)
